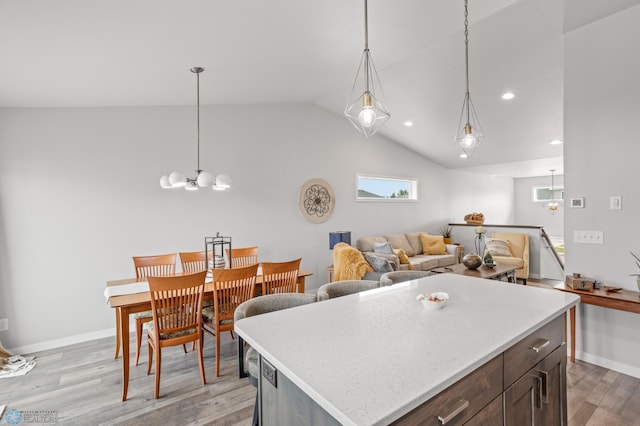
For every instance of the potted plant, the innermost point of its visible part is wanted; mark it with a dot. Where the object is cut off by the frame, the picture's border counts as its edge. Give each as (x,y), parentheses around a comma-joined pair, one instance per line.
(488,260)
(445,231)
(638,265)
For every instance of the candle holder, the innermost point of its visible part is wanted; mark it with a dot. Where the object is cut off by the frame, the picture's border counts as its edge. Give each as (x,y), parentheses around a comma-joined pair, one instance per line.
(479,241)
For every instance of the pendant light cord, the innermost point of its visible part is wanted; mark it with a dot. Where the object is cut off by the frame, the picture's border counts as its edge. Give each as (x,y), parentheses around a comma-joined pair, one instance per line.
(198,120)
(466,51)
(366,47)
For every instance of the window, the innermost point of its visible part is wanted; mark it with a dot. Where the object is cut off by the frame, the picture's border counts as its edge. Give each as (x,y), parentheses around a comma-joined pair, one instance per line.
(379,188)
(543,194)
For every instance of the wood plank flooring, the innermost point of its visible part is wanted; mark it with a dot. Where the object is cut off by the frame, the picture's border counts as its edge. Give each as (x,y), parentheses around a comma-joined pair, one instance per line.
(82,384)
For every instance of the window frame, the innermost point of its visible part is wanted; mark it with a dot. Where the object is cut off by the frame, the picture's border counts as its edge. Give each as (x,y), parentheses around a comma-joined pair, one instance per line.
(412,182)
(558,190)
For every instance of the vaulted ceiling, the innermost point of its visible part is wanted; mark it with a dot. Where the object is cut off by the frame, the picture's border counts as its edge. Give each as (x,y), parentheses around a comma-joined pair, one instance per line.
(102,53)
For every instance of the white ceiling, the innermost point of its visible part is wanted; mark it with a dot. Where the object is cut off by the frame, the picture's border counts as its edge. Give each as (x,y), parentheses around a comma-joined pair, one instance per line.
(102,53)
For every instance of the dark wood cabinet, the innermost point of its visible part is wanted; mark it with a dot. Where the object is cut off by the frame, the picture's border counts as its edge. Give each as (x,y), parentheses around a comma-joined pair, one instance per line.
(539,397)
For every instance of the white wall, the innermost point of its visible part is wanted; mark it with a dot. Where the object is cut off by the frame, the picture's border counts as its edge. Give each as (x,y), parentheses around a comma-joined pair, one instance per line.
(489,195)
(601,113)
(528,212)
(79,195)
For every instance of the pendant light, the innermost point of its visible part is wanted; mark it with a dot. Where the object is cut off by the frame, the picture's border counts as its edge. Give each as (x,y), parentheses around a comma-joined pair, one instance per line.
(552,206)
(469,132)
(365,109)
(202,179)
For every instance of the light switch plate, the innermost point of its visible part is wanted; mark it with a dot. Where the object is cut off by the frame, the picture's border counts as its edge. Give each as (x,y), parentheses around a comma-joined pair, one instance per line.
(588,237)
(615,203)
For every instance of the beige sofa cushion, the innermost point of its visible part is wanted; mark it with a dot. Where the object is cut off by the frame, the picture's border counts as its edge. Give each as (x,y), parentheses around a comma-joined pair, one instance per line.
(399,241)
(366,243)
(414,240)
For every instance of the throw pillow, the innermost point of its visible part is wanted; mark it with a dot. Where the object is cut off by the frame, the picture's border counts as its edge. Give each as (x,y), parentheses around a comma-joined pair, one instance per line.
(382,248)
(400,241)
(432,244)
(402,256)
(498,247)
(379,264)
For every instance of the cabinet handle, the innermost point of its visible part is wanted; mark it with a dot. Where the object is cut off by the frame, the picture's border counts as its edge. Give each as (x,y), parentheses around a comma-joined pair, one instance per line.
(538,396)
(544,378)
(455,410)
(539,344)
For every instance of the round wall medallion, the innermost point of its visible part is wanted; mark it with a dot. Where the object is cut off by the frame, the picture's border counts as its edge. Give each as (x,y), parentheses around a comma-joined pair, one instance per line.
(316,200)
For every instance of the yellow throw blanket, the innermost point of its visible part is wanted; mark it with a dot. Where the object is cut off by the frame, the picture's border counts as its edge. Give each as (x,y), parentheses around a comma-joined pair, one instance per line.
(349,263)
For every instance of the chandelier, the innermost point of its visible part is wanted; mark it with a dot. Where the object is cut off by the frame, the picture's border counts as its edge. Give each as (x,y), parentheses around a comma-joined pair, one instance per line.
(364,108)
(469,132)
(202,179)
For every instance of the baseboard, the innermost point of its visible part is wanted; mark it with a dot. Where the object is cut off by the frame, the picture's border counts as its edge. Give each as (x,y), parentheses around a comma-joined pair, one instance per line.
(57,343)
(629,370)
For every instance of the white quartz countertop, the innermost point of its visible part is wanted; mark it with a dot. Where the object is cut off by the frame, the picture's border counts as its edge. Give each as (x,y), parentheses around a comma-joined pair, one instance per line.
(371,357)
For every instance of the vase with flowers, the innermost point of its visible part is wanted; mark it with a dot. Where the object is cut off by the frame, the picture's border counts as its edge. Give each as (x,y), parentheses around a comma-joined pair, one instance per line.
(638,265)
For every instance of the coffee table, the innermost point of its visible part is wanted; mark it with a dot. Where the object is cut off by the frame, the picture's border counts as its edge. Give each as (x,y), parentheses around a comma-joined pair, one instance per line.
(498,272)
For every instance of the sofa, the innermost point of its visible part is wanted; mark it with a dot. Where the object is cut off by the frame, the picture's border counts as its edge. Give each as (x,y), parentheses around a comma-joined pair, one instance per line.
(412,246)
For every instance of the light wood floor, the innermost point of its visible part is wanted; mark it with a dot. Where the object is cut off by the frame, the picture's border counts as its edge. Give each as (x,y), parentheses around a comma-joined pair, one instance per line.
(82,383)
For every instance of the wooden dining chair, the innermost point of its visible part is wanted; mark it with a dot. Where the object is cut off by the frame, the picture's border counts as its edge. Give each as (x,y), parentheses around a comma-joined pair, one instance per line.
(194,261)
(150,266)
(241,257)
(176,305)
(280,277)
(231,288)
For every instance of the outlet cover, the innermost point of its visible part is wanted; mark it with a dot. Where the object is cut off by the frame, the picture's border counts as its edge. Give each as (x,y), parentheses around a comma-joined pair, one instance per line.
(4,324)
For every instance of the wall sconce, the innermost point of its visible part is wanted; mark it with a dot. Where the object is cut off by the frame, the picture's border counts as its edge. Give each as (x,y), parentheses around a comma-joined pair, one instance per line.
(339,237)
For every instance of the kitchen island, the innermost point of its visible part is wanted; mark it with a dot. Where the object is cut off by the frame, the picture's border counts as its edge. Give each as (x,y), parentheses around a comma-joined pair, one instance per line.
(380,357)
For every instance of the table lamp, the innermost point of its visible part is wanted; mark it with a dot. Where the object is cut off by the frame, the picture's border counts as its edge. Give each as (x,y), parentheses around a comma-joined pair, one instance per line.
(339,237)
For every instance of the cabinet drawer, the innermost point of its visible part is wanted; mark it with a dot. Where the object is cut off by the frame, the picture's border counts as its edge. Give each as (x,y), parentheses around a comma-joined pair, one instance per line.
(532,349)
(466,397)
(490,415)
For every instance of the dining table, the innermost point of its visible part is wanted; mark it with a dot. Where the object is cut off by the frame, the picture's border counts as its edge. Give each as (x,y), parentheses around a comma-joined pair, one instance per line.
(131,295)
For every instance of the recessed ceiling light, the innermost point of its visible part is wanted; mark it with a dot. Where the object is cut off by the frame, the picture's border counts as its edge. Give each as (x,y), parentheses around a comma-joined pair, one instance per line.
(408,123)
(507,96)
(555,142)
(463,155)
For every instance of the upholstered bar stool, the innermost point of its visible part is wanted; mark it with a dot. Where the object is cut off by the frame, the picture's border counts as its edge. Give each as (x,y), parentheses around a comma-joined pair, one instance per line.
(344,288)
(396,277)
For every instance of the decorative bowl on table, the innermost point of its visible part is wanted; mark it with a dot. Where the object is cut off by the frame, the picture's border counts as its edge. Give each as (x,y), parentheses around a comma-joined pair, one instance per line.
(433,301)
(471,261)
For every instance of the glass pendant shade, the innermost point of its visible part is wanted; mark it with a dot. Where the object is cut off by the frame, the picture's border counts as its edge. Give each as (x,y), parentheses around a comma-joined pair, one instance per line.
(202,179)
(365,108)
(164,182)
(552,207)
(205,179)
(469,133)
(177,180)
(222,183)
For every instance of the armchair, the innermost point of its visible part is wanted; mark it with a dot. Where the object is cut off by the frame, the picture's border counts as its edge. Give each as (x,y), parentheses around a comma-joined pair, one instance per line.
(519,247)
